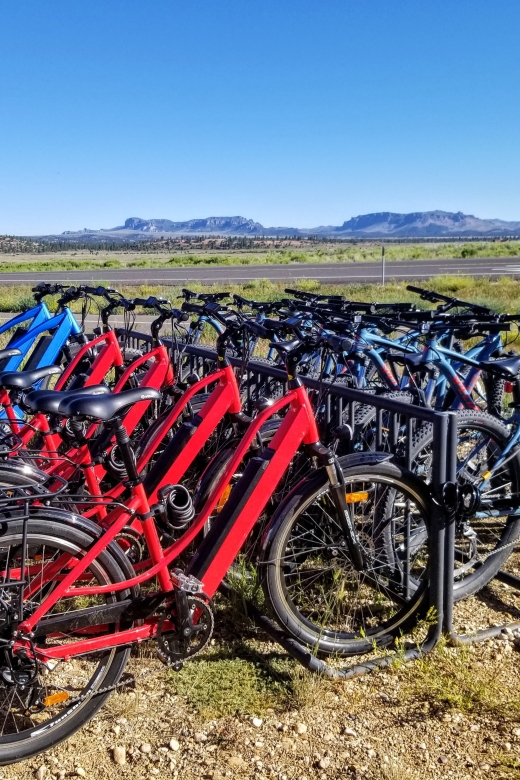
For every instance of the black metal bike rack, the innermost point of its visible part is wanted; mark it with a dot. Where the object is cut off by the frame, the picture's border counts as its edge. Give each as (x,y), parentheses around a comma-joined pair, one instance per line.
(443,522)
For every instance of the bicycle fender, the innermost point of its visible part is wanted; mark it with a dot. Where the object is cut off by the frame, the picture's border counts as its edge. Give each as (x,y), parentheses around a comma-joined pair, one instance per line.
(346,461)
(90,528)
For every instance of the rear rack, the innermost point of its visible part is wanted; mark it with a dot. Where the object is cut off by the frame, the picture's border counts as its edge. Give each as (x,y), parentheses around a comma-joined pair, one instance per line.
(30,493)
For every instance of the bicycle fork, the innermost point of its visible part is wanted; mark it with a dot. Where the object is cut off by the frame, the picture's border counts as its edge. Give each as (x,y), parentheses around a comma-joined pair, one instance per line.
(334,473)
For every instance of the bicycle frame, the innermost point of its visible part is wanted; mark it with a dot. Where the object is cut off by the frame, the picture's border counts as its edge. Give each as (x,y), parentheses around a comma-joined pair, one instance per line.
(185,445)
(219,548)
(63,324)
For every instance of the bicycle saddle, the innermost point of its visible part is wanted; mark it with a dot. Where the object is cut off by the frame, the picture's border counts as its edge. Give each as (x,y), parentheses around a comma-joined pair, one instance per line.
(5,354)
(104,407)
(22,380)
(48,401)
(508,367)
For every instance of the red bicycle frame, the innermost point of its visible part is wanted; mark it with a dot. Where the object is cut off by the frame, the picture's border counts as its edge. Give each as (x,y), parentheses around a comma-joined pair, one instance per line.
(217,551)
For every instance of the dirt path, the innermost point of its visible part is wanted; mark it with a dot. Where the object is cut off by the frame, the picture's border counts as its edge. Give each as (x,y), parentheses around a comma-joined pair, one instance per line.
(244,710)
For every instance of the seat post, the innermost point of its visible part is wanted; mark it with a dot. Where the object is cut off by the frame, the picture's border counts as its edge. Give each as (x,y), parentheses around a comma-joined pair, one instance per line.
(125,449)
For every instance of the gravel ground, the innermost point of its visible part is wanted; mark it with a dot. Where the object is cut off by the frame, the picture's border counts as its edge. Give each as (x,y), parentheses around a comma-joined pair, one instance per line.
(453,715)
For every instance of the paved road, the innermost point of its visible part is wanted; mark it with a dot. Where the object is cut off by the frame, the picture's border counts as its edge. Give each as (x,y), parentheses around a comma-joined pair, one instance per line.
(329,273)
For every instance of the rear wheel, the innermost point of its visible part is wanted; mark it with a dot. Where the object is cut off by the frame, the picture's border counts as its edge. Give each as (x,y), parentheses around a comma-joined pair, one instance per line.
(480,442)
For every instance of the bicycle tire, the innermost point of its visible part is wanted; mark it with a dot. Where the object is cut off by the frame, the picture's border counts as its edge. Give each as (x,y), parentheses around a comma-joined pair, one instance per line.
(278,571)
(499,435)
(46,534)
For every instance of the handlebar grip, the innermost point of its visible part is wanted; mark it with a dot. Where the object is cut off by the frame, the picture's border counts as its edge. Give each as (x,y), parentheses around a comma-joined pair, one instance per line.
(418,290)
(95,290)
(339,343)
(179,315)
(257,329)
(147,302)
(296,293)
(193,308)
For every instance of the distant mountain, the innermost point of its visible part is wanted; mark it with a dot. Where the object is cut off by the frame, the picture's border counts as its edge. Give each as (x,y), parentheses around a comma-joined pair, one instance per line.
(385,224)
(422,224)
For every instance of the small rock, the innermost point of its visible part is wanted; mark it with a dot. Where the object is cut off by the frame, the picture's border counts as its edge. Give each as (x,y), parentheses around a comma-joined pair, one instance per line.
(236,761)
(301,728)
(485,767)
(443,760)
(174,745)
(199,736)
(516,732)
(117,730)
(288,743)
(146,747)
(324,762)
(41,772)
(119,755)
(474,727)
(384,696)
(372,753)
(422,746)
(257,722)
(446,718)
(80,771)
(349,732)
(328,737)
(508,747)
(278,726)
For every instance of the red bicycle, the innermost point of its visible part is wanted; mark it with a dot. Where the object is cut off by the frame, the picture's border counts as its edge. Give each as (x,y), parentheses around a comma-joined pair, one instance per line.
(71,606)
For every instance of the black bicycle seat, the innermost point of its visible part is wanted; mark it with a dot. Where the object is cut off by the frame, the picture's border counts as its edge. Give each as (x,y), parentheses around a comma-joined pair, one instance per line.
(508,367)
(104,407)
(22,380)
(48,401)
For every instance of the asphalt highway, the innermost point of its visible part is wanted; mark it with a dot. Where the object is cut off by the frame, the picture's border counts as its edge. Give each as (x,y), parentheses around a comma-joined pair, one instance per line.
(328,273)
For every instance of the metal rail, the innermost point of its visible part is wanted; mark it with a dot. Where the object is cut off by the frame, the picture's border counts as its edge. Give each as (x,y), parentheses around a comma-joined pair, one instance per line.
(402,419)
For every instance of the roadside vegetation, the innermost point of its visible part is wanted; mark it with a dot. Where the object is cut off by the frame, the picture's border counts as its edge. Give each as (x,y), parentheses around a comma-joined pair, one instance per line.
(208,252)
(501,294)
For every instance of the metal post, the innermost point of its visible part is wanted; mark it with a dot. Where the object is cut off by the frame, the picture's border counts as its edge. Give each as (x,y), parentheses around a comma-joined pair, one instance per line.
(449,548)
(383,266)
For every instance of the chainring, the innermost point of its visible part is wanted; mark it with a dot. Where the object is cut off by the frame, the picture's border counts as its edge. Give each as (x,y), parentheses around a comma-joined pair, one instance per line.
(174,648)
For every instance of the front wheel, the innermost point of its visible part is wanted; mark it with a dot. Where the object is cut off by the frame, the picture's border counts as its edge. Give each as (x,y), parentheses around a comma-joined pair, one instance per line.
(311,584)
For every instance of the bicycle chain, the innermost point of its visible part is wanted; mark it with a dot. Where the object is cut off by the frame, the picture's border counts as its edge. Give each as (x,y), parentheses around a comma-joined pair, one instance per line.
(481,557)
(133,680)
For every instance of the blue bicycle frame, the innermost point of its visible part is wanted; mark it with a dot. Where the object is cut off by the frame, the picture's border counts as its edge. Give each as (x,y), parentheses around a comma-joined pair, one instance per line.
(61,327)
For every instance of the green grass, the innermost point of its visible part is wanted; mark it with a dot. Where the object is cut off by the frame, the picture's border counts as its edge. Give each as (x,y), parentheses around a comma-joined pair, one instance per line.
(322,253)
(501,294)
(455,679)
(223,684)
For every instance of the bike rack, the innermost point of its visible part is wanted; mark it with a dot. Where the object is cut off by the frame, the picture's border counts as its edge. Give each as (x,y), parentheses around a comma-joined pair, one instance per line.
(442,532)
(444,470)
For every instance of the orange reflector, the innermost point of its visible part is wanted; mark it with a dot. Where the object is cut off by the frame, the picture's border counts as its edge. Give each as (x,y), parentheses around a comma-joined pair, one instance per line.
(56,698)
(354,498)
(223,498)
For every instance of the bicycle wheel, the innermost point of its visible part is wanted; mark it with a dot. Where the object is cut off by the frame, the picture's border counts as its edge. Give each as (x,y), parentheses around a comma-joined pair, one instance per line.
(479,538)
(311,585)
(80,681)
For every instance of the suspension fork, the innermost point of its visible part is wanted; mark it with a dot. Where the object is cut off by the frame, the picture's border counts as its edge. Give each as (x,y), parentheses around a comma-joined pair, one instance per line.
(334,473)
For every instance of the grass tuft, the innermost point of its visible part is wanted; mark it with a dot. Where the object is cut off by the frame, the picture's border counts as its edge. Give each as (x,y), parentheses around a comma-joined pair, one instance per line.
(452,678)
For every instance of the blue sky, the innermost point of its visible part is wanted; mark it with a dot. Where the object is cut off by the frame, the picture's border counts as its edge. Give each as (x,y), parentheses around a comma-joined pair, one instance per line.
(294,112)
